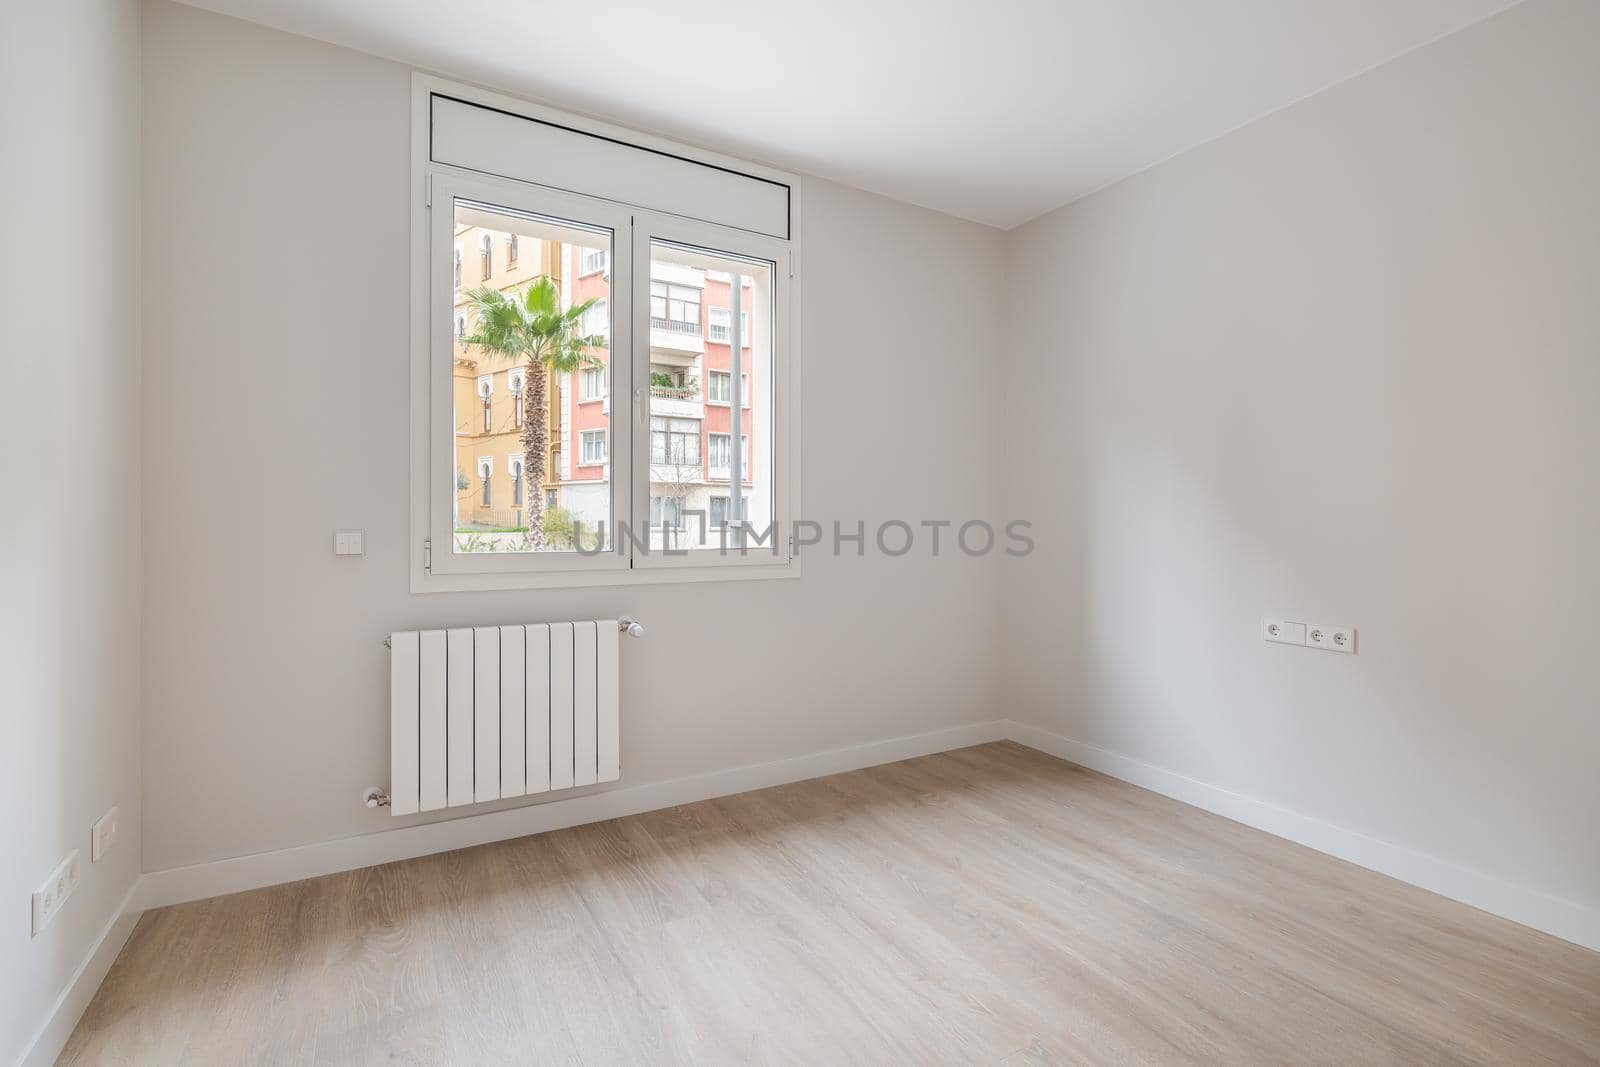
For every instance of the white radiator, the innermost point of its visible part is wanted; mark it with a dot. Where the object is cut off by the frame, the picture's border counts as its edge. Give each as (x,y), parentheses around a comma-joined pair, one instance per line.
(489,712)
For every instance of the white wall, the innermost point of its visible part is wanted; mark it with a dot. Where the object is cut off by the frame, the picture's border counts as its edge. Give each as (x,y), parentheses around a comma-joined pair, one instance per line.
(1341,365)
(276,406)
(69,462)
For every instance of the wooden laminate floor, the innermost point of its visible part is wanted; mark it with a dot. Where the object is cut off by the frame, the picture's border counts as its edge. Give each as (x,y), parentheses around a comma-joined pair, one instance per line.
(988,905)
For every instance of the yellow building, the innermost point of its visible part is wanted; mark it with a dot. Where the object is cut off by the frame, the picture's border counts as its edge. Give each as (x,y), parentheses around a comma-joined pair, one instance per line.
(488,390)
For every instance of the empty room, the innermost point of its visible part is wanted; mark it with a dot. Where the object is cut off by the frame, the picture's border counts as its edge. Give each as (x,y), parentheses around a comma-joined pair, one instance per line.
(1055,531)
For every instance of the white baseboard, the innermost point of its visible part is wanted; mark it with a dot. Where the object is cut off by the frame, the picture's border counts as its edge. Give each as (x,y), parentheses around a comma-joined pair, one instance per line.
(178,884)
(1565,919)
(68,1008)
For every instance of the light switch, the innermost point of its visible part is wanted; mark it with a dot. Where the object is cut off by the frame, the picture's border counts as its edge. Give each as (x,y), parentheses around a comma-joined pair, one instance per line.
(348,543)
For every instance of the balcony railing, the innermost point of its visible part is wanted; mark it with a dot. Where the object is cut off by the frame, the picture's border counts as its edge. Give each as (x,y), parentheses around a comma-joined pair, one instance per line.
(675,392)
(674,326)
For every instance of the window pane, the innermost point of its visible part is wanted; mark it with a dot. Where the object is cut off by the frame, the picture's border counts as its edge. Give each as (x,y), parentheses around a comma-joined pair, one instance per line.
(691,386)
(501,390)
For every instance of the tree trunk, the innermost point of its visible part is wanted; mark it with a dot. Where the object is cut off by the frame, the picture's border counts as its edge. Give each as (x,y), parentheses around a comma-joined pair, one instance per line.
(535,446)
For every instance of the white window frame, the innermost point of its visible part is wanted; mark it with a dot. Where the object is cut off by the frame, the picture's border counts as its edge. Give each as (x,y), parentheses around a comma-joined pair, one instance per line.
(584,377)
(432,399)
(711,324)
(584,439)
(744,381)
(722,242)
(509,570)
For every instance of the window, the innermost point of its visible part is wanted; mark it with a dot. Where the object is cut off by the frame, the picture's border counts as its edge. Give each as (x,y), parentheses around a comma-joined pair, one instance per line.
(666,512)
(717,327)
(514,381)
(591,261)
(675,442)
(717,387)
(643,260)
(675,308)
(473,529)
(592,444)
(718,457)
(717,512)
(486,476)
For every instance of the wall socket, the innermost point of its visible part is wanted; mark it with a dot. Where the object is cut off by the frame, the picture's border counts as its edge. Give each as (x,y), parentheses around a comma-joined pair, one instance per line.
(49,897)
(1312,634)
(1331,638)
(102,835)
(1283,631)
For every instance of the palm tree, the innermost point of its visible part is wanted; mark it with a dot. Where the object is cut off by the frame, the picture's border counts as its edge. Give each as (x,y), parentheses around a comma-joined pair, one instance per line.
(529,327)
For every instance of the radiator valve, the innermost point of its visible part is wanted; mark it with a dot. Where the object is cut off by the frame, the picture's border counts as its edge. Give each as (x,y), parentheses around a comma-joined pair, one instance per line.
(376,798)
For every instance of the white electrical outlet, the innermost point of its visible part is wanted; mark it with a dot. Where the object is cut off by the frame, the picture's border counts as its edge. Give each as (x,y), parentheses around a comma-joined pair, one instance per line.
(49,897)
(1331,638)
(1283,631)
(102,835)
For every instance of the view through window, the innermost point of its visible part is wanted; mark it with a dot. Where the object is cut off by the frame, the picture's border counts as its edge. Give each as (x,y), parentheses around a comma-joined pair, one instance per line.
(694,472)
(531,361)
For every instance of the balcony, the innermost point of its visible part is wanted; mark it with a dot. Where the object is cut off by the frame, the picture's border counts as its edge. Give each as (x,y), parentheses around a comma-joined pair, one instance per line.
(678,401)
(674,326)
(671,337)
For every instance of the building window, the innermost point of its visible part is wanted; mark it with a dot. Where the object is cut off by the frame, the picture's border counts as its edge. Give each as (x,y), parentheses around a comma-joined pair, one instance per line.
(486,476)
(675,442)
(717,327)
(674,307)
(717,387)
(486,254)
(717,512)
(458,266)
(719,457)
(592,384)
(592,260)
(485,393)
(514,381)
(461,329)
(514,468)
(596,321)
(666,512)
(592,448)
(511,250)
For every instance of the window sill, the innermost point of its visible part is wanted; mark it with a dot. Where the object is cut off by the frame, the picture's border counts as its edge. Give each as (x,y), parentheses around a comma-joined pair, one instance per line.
(731,571)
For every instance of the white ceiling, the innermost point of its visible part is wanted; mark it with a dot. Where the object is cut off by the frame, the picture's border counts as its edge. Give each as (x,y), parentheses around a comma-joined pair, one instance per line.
(995,110)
